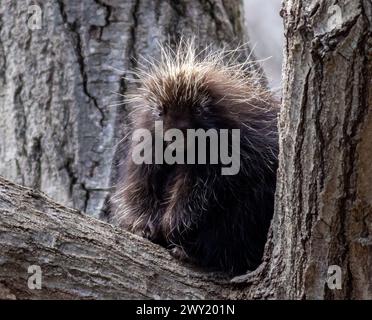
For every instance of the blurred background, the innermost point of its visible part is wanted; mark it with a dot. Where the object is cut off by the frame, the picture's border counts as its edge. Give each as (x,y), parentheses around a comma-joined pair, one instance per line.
(265,29)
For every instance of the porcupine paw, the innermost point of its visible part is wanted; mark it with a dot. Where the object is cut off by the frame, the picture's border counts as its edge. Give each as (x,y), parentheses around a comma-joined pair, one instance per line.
(180,254)
(149,232)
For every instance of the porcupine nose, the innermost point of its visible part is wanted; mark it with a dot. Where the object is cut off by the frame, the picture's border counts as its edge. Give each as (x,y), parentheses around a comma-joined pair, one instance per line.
(177,121)
(182,124)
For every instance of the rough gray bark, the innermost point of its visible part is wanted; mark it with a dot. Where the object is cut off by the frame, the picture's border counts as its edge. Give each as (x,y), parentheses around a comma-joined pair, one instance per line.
(58,131)
(81,257)
(323,205)
(324,195)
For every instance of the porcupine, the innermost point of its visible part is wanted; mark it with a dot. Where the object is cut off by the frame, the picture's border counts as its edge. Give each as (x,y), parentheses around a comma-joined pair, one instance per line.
(216,221)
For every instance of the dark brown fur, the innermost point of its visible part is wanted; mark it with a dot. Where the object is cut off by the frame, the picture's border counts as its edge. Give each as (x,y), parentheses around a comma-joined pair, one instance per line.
(218,222)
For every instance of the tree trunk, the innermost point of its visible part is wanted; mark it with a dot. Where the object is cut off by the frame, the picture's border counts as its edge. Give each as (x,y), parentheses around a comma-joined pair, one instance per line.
(323,204)
(58,131)
(324,197)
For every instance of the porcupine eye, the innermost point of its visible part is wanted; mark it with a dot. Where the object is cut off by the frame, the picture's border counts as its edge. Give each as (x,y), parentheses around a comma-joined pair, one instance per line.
(158,112)
(202,111)
(198,111)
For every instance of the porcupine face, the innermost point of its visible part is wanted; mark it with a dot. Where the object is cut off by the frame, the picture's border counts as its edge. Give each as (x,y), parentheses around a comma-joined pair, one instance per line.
(184,103)
(179,108)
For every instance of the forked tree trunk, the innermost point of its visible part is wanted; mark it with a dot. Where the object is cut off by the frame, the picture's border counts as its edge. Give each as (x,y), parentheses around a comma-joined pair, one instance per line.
(323,213)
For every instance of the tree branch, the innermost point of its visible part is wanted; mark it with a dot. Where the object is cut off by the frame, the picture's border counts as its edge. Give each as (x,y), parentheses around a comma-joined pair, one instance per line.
(82,257)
